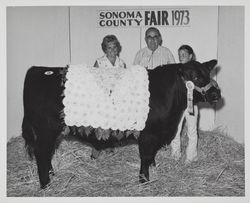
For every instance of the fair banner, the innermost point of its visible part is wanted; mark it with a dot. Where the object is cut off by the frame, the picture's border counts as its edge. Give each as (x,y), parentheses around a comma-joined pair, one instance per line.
(137,18)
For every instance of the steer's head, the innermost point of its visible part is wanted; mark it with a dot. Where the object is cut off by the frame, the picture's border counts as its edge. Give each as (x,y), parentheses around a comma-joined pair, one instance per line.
(205,88)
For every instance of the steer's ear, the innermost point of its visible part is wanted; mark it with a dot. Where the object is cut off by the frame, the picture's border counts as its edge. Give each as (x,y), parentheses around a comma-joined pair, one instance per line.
(210,64)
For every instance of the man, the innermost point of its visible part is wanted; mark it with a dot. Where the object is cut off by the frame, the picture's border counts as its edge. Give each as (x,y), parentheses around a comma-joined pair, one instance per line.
(154,54)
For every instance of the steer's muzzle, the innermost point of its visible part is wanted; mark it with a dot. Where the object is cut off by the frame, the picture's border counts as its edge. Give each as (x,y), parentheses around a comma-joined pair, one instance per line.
(213,95)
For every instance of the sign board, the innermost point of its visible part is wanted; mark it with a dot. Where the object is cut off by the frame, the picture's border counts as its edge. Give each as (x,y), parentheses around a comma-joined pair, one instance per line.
(137,18)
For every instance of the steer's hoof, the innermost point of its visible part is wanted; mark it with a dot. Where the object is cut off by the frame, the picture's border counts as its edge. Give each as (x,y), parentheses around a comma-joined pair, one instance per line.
(44,186)
(143,179)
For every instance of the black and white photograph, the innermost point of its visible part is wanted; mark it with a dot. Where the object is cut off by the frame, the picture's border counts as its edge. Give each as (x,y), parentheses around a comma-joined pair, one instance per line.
(124,100)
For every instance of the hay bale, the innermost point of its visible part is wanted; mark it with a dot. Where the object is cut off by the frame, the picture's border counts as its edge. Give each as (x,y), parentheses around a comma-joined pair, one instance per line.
(219,171)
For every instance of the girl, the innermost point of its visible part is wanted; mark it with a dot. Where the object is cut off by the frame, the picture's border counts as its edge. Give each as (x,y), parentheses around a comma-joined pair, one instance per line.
(187,54)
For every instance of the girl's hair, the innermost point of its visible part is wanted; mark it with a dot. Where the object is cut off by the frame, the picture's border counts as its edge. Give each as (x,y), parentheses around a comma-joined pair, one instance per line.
(189,50)
(111,38)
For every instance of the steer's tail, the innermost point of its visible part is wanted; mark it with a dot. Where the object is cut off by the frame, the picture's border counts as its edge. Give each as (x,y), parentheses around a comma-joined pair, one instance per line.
(27,128)
(29,136)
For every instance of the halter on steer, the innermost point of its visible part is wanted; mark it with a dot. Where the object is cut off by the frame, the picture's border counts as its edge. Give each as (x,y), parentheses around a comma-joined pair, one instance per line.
(190,87)
(203,90)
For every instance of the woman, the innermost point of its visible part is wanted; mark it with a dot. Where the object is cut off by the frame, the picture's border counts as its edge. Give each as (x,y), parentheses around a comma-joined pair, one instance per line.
(112,48)
(186,54)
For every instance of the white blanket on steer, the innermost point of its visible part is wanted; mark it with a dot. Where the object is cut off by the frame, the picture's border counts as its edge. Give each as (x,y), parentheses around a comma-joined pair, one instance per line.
(111,98)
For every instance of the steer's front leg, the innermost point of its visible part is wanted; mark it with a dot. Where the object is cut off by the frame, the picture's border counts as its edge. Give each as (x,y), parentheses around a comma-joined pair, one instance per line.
(144,170)
(148,146)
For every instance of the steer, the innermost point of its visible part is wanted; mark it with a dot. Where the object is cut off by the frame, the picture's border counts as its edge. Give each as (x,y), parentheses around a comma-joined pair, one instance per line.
(44,123)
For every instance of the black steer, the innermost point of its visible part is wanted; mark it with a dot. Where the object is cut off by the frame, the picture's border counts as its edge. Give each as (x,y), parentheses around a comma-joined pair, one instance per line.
(43,122)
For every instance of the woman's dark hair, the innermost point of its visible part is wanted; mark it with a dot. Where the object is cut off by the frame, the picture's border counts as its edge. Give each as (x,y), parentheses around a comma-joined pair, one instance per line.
(189,50)
(111,38)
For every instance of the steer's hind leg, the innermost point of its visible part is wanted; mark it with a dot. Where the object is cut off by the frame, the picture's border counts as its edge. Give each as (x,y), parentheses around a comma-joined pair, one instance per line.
(43,165)
(44,151)
(148,147)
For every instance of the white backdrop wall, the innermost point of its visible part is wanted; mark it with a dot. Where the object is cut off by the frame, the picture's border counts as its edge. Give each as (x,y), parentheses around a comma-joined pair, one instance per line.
(56,36)
(231,75)
(35,36)
(86,36)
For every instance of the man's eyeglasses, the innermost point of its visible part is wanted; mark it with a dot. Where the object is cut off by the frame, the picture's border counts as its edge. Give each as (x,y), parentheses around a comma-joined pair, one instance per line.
(152,37)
